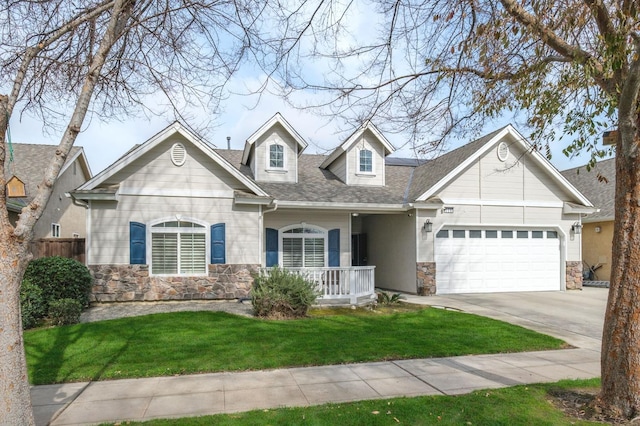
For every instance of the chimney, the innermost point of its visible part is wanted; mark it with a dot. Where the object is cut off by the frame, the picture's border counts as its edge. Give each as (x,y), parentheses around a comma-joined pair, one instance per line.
(228,142)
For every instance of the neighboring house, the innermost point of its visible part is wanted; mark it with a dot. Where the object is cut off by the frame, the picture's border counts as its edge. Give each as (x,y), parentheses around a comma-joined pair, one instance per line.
(24,171)
(175,218)
(599,186)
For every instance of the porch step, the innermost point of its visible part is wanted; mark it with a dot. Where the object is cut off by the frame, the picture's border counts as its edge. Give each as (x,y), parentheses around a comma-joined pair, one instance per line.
(601,284)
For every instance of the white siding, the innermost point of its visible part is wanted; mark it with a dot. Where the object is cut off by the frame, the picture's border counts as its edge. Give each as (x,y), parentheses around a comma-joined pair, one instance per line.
(278,135)
(109,242)
(327,220)
(392,250)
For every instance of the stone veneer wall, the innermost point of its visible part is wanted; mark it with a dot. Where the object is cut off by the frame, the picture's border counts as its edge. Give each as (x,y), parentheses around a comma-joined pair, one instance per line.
(426,278)
(124,283)
(574,275)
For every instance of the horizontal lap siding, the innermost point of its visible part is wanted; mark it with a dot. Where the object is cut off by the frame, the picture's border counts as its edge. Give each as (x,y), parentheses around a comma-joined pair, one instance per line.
(109,242)
(339,167)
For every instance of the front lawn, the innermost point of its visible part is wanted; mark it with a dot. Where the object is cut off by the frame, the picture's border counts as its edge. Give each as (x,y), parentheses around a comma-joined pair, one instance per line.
(519,405)
(195,342)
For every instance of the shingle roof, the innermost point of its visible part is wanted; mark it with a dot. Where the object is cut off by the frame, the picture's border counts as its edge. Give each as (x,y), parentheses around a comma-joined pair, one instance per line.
(598,185)
(318,185)
(29,164)
(433,171)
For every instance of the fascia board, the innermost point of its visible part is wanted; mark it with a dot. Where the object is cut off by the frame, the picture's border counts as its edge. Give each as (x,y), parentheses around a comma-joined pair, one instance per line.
(462,166)
(360,207)
(543,162)
(277,118)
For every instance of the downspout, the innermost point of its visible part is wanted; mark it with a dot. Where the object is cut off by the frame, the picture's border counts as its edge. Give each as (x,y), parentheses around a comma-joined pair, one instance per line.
(261,225)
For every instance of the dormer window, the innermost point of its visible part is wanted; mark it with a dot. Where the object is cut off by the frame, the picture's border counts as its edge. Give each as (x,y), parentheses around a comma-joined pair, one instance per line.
(365,161)
(276,156)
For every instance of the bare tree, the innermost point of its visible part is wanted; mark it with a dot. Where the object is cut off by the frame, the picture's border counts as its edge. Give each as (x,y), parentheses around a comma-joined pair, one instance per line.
(63,60)
(571,67)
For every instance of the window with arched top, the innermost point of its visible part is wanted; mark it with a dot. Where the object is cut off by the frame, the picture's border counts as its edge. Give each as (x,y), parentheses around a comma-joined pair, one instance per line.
(276,156)
(303,247)
(178,247)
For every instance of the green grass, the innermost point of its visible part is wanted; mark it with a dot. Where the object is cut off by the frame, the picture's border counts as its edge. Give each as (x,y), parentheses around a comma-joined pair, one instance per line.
(194,342)
(519,405)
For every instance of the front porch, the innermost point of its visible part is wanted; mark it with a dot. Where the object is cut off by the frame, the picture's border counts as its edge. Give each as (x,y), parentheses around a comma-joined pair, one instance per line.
(341,285)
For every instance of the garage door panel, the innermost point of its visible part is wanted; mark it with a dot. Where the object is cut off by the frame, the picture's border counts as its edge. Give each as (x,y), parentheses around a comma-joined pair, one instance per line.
(470,265)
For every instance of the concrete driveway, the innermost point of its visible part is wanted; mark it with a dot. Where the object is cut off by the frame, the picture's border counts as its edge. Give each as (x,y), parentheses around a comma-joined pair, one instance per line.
(573,316)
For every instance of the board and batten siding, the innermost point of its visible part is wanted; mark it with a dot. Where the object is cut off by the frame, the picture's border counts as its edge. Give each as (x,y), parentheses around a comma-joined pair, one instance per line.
(109,242)
(326,220)
(392,250)
(517,192)
(261,171)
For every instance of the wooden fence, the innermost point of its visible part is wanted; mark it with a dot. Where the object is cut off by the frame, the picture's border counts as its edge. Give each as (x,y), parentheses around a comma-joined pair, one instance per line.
(66,247)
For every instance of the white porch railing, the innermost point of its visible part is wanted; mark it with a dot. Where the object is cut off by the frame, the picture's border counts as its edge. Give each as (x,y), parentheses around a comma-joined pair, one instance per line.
(347,283)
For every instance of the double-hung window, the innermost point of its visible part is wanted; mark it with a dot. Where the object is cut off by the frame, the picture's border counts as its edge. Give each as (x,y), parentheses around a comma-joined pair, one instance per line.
(178,247)
(276,156)
(366,161)
(303,247)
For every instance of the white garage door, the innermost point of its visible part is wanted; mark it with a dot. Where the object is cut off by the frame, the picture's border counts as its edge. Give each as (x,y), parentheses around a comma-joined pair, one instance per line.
(497,260)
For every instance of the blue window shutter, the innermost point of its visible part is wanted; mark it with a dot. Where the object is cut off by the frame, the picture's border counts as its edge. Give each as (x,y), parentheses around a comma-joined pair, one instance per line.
(334,247)
(218,243)
(137,243)
(271,247)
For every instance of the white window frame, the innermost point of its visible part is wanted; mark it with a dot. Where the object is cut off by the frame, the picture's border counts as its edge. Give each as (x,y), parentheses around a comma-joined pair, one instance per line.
(358,166)
(284,156)
(55,230)
(178,230)
(323,233)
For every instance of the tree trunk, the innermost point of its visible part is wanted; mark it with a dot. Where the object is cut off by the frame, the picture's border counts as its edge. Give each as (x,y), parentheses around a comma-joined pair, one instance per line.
(620,361)
(15,396)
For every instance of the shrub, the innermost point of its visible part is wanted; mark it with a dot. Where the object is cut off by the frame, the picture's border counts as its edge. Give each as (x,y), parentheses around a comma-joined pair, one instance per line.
(282,294)
(60,278)
(64,311)
(33,306)
(385,298)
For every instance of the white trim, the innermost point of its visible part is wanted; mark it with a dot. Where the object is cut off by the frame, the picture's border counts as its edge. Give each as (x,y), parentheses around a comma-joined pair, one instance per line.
(359,172)
(346,145)
(87,238)
(165,192)
(177,230)
(508,130)
(324,235)
(360,207)
(502,203)
(100,196)
(57,227)
(161,137)
(267,157)
(178,154)
(277,118)
(84,163)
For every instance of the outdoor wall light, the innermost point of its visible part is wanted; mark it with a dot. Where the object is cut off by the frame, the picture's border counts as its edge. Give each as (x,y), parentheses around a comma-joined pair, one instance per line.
(576,228)
(428,226)
(597,229)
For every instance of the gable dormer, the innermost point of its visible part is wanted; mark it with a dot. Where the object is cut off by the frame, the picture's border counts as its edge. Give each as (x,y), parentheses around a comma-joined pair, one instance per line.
(272,151)
(360,160)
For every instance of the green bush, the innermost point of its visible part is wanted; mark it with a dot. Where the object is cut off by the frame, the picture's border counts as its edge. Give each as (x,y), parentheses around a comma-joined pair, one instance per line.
(385,298)
(282,294)
(60,278)
(64,311)
(33,306)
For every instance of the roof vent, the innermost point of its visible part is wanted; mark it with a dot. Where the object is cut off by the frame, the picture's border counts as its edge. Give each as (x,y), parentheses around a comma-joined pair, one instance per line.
(503,151)
(178,154)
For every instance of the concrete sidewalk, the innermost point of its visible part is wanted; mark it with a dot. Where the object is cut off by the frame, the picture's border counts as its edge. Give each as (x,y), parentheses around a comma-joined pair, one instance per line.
(196,395)
(573,316)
